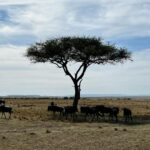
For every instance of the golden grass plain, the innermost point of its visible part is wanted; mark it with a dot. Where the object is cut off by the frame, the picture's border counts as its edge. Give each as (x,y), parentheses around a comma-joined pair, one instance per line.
(33,128)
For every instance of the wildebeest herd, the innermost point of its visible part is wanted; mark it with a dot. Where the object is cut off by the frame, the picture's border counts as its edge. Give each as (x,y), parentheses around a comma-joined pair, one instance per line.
(87,112)
(91,112)
(5,109)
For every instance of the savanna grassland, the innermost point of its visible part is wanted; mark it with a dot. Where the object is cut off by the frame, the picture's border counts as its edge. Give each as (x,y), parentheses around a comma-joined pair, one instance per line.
(31,127)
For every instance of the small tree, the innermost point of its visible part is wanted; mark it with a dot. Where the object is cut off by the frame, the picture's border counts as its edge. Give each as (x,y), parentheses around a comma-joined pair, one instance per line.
(82,50)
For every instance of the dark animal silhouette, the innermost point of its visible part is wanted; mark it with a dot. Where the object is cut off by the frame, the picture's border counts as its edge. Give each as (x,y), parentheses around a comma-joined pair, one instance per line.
(2,102)
(127,114)
(114,111)
(70,110)
(84,110)
(55,109)
(6,109)
(101,110)
(111,112)
(104,110)
(90,111)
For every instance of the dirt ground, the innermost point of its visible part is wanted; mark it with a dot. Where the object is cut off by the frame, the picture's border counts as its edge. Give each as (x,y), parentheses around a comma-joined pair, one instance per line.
(33,128)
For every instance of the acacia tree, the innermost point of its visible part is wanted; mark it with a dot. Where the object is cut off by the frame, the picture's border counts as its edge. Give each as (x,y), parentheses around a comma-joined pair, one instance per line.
(82,50)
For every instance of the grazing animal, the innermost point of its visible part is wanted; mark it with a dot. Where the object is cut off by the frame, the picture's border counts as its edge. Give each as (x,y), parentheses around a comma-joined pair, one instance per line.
(2,102)
(90,111)
(101,110)
(112,112)
(84,110)
(127,114)
(55,109)
(6,109)
(70,110)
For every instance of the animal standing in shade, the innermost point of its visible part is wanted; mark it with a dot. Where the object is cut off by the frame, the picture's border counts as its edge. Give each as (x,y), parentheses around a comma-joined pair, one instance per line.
(127,114)
(6,109)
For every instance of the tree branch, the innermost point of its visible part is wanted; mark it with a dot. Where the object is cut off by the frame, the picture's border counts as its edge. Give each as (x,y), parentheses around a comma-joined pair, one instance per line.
(80,83)
(76,74)
(83,72)
(58,65)
(65,68)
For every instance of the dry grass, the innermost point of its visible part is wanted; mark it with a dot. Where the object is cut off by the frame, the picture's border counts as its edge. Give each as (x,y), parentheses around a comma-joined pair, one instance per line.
(31,128)
(33,109)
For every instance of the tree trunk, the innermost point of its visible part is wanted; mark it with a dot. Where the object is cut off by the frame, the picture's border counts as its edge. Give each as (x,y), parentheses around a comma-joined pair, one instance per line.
(77,94)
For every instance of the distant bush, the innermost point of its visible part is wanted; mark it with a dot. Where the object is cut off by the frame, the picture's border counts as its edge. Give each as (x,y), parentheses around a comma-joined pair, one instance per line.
(65,97)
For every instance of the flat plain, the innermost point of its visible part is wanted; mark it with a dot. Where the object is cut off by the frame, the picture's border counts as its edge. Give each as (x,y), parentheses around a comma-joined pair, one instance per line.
(31,127)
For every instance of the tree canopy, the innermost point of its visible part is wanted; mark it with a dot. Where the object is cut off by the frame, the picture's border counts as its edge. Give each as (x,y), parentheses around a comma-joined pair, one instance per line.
(78,49)
(83,50)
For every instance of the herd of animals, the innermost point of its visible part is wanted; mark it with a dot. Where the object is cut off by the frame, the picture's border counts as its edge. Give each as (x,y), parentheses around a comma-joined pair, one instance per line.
(92,112)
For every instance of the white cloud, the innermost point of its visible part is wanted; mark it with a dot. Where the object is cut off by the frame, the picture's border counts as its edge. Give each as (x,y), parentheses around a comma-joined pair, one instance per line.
(51,18)
(7,31)
(131,78)
(109,19)
(19,76)
(20,2)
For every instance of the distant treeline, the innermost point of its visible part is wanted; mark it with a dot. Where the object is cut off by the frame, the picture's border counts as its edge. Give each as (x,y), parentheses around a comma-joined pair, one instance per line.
(36,98)
(71,98)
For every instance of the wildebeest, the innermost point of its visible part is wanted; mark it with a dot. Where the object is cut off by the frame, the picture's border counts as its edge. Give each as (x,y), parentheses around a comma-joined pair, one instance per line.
(2,102)
(84,110)
(55,109)
(127,114)
(112,112)
(70,110)
(89,111)
(6,109)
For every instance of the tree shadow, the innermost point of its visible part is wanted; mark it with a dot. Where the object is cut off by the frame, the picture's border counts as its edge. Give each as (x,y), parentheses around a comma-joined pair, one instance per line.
(137,120)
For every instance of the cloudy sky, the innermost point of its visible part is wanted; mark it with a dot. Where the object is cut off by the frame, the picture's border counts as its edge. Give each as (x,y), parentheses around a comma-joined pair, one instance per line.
(124,23)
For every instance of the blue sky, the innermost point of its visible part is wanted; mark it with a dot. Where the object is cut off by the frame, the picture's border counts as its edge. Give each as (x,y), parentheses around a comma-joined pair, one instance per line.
(24,22)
